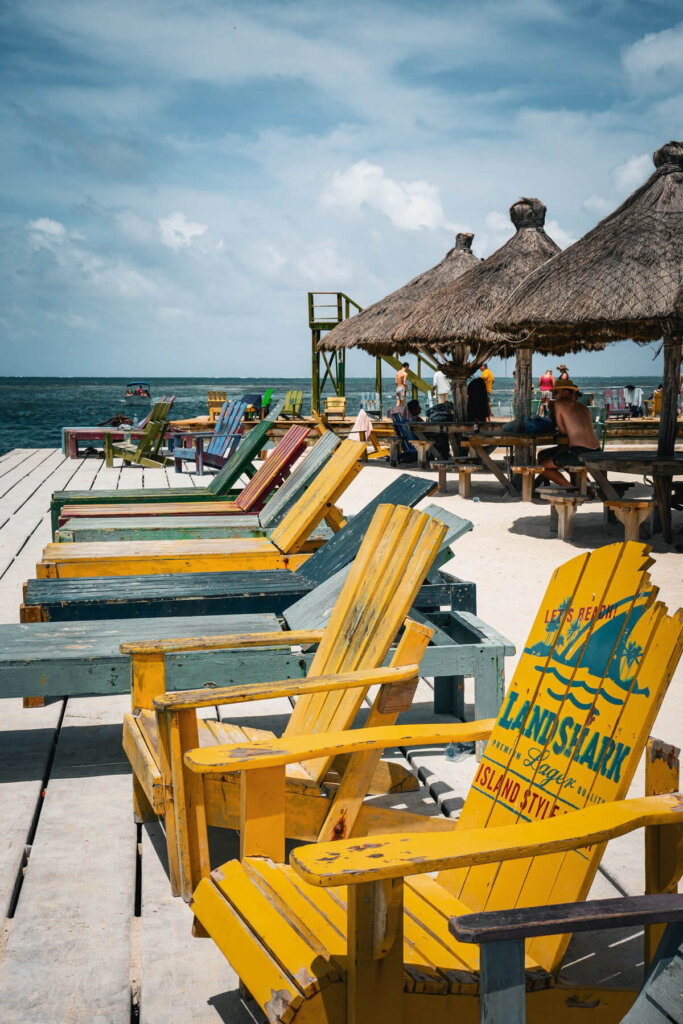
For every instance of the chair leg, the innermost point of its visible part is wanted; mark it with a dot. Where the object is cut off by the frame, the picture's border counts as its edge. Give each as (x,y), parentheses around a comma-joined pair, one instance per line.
(443,477)
(464,485)
(142,808)
(527,487)
(375,952)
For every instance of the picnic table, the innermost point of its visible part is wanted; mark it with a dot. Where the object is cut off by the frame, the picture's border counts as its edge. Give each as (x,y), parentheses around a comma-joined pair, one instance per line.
(72,437)
(522,450)
(662,469)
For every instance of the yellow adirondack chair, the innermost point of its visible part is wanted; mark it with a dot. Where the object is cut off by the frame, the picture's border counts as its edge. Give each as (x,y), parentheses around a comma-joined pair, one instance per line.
(216,400)
(335,406)
(287,546)
(547,795)
(385,577)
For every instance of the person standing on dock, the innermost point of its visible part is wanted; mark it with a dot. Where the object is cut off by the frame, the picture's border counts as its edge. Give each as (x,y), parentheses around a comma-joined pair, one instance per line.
(402,384)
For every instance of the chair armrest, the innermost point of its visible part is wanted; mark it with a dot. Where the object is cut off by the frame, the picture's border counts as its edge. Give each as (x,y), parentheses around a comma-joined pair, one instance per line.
(395,856)
(284,688)
(225,641)
(292,749)
(593,915)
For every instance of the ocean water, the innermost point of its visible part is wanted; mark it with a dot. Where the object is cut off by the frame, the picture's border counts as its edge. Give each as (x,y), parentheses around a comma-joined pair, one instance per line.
(33,410)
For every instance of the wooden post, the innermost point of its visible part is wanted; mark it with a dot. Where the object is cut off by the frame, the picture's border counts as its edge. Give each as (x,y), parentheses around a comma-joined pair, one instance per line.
(375,953)
(670,388)
(502,999)
(523,388)
(459,392)
(378,382)
(315,371)
(667,427)
(662,861)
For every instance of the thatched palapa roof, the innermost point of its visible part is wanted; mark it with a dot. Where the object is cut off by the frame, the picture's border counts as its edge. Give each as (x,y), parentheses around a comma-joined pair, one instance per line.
(624,279)
(372,328)
(457,313)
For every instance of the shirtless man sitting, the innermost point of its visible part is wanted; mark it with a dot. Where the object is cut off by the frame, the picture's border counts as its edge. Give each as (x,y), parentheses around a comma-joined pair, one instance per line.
(574,420)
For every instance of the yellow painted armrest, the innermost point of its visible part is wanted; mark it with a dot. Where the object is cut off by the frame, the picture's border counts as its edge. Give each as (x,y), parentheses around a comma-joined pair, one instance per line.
(225,641)
(184,699)
(293,749)
(394,856)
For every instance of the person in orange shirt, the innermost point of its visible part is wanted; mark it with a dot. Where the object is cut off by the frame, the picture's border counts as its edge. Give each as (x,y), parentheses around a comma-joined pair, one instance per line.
(488,377)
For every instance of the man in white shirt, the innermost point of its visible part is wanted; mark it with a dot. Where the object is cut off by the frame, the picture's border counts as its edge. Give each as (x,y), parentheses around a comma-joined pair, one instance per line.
(441,389)
(634,397)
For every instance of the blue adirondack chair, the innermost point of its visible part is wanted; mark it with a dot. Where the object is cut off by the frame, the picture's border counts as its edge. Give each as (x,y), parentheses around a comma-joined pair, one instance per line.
(223,440)
(406,451)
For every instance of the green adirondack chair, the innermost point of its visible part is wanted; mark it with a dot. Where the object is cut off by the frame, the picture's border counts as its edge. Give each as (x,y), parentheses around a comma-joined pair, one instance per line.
(146,451)
(293,403)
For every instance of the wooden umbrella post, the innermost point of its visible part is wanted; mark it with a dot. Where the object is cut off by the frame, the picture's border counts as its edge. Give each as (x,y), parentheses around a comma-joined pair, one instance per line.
(670,389)
(523,386)
(667,428)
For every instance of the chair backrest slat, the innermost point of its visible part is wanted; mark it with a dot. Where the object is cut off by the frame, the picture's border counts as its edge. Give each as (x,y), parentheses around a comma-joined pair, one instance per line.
(310,509)
(285,452)
(393,560)
(573,725)
(247,450)
(231,424)
(341,549)
(296,483)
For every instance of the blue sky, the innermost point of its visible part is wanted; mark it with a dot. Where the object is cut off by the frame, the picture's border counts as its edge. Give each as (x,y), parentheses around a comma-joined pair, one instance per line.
(178,175)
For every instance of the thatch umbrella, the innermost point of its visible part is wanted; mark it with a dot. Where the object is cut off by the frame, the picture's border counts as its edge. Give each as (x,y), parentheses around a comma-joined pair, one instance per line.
(371,329)
(624,279)
(452,321)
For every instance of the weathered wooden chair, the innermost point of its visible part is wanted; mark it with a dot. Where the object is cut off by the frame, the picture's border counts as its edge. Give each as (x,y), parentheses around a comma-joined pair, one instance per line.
(548,794)
(286,547)
(220,486)
(158,523)
(293,403)
(213,593)
(221,442)
(502,938)
(216,401)
(385,578)
(335,406)
(145,450)
(275,509)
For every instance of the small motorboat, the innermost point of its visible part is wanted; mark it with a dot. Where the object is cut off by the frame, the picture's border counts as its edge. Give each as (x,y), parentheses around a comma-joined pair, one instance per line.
(138,392)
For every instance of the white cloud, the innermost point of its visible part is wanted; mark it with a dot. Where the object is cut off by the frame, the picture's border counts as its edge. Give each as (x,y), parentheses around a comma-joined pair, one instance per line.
(631,174)
(45,233)
(177,232)
(409,205)
(497,229)
(596,206)
(558,234)
(656,59)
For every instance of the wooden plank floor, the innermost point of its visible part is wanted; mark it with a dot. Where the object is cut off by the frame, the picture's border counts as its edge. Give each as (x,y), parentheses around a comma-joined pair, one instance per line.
(90,932)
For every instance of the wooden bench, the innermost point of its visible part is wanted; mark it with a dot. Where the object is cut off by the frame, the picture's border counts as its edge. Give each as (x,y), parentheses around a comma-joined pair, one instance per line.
(621,487)
(631,512)
(464,467)
(563,508)
(528,475)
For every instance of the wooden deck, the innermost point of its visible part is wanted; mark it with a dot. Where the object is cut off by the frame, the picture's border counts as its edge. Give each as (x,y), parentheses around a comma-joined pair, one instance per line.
(90,933)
